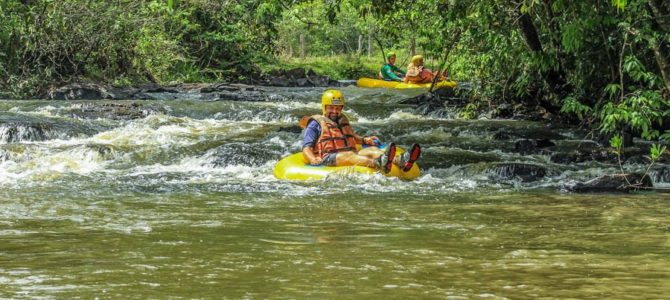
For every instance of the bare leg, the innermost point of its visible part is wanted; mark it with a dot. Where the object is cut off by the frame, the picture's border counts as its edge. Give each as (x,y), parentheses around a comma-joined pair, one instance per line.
(371,152)
(350,158)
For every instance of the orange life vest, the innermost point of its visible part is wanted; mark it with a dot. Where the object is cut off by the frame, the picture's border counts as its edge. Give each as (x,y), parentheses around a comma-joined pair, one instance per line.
(335,137)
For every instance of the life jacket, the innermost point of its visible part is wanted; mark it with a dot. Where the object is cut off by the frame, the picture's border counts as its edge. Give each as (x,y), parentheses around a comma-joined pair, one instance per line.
(335,137)
(418,74)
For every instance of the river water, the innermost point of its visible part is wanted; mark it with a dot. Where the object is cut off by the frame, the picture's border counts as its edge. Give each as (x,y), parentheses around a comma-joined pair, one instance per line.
(181,203)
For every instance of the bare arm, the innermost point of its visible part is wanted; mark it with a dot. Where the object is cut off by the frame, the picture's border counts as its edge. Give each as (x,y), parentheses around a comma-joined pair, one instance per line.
(308,155)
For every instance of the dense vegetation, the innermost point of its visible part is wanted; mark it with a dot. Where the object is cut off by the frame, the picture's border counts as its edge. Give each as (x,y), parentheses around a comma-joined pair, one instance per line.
(604,62)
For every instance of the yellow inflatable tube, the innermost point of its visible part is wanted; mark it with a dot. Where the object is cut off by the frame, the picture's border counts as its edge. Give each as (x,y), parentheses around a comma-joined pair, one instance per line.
(294,167)
(378,83)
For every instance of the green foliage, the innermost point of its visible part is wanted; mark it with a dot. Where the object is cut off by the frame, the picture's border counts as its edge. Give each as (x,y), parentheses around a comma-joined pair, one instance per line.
(469,111)
(336,67)
(572,105)
(656,151)
(616,142)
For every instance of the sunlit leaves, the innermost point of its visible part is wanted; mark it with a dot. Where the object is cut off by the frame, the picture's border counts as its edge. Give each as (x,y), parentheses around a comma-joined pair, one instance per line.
(572,105)
(619,4)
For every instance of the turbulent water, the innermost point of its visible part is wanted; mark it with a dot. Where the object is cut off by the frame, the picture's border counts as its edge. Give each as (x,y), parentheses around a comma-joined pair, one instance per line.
(178,200)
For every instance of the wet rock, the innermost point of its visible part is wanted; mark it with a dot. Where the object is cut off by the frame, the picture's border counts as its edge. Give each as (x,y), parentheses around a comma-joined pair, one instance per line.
(297,77)
(296,73)
(251,96)
(302,82)
(502,135)
(660,174)
(522,171)
(84,91)
(585,152)
(637,160)
(15,132)
(291,129)
(115,111)
(279,81)
(503,111)
(569,157)
(103,150)
(544,143)
(4,155)
(235,154)
(611,183)
(217,88)
(526,146)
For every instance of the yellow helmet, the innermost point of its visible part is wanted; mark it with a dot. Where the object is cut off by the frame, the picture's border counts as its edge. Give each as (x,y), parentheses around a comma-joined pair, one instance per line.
(331,97)
(417,58)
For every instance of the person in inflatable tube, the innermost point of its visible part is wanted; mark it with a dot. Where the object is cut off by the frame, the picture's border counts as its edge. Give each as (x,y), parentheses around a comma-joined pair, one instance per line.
(329,140)
(390,72)
(417,74)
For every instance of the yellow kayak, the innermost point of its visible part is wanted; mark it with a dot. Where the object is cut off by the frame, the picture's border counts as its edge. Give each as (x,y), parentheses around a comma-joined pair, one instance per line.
(293,167)
(378,83)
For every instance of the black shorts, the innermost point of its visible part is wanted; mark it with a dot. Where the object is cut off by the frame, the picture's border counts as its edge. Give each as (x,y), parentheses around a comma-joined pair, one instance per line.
(329,160)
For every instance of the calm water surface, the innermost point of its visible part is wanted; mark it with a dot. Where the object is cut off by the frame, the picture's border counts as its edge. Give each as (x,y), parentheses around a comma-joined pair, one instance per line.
(181,203)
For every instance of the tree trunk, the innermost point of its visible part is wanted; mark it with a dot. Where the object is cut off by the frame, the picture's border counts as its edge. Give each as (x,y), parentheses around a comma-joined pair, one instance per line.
(412,47)
(554,78)
(360,44)
(660,22)
(302,46)
(662,62)
(659,14)
(369,41)
(529,32)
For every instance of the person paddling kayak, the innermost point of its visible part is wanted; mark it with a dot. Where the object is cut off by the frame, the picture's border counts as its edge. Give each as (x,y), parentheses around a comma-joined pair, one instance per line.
(390,72)
(329,140)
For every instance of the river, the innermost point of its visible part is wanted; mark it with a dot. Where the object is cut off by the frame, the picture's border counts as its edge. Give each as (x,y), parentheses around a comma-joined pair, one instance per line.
(182,203)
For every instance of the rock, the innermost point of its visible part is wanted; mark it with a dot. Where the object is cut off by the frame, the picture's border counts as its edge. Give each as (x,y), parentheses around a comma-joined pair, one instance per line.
(637,160)
(279,81)
(544,143)
(234,154)
(291,129)
(295,73)
(114,111)
(79,91)
(502,135)
(17,132)
(569,157)
(611,183)
(302,82)
(525,146)
(503,111)
(4,155)
(522,171)
(660,174)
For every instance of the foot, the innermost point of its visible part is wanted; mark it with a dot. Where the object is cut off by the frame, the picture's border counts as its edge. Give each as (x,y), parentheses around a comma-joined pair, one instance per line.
(408,158)
(386,159)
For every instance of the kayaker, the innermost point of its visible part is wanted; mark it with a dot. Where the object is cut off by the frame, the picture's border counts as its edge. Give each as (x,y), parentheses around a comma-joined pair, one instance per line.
(416,73)
(390,72)
(329,140)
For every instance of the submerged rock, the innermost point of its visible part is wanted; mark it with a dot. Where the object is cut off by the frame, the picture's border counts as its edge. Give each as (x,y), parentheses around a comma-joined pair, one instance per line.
(86,91)
(114,111)
(611,183)
(4,155)
(660,174)
(291,129)
(522,171)
(16,132)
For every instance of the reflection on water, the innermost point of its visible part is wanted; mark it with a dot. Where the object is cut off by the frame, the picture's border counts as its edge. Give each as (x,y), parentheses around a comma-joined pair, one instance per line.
(182,203)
